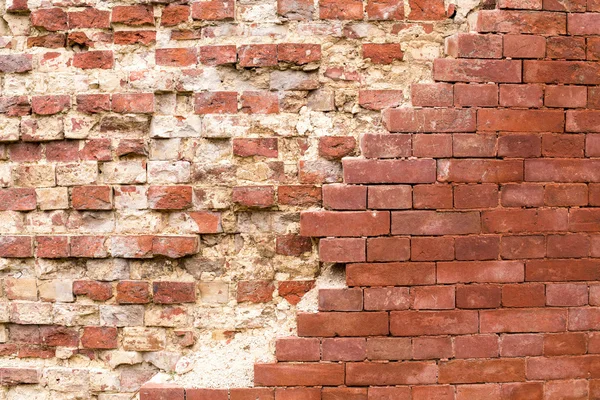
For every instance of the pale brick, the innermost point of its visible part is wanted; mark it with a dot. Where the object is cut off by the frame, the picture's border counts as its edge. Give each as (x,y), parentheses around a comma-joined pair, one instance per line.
(52,198)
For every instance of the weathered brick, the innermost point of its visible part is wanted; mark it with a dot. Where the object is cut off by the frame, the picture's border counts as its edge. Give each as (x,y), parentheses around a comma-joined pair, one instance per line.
(429,120)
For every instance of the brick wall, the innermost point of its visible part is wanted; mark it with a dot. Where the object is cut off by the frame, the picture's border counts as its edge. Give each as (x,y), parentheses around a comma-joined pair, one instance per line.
(180,182)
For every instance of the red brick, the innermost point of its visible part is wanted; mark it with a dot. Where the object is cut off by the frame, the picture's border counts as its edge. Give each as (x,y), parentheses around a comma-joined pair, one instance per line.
(102,59)
(91,197)
(208,394)
(432,196)
(133,15)
(353,223)
(174,292)
(299,195)
(59,336)
(217,55)
(133,292)
(542,368)
(328,324)
(389,171)
(17,199)
(472,371)
(343,197)
(516,247)
(297,394)
(16,63)
(567,294)
(425,348)
(259,103)
(342,250)
(293,291)
(429,120)
(137,103)
(298,349)
(562,170)
(390,274)
(93,103)
(257,55)
(258,291)
(386,299)
(88,246)
(565,344)
(265,147)
(433,298)
(519,145)
(177,57)
(169,197)
(207,222)
(16,246)
(387,348)
(566,195)
(390,197)
(470,145)
(135,37)
(475,95)
(480,271)
(570,6)
(89,18)
(97,291)
(434,146)
(174,14)
(336,147)
(213,10)
(385,146)
(216,103)
(51,19)
(524,46)
(52,246)
(501,21)
(298,374)
(522,221)
(476,196)
(364,374)
(344,349)
(568,246)
(251,394)
(379,99)
(471,45)
(99,337)
(478,296)
(477,346)
(388,249)
(48,105)
(341,9)
(426,10)
(523,295)
(340,299)
(521,345)
(437,392)
(432,94)
(423,323)
(292,245)
(513,120)
(562,270)
(298,53)
(521,95)
(567,72)
(593,53)
(254,196)
(477,247)
(566,145)
(385,53)
(523,320)
(569,48)
(435,223)
(522,195)
(468,70)
(161,392)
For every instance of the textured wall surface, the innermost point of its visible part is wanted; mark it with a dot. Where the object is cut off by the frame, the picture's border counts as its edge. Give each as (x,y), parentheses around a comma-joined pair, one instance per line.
(182,183)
